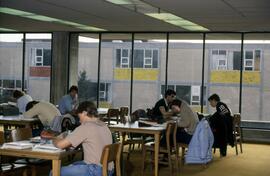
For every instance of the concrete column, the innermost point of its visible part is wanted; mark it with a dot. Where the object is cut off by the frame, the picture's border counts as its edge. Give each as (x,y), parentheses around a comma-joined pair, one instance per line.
(59,80)
(73,59)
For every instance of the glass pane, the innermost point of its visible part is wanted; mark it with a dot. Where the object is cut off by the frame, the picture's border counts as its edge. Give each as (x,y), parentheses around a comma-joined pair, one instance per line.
(38,77)
(10,63)
(87,66)
(39,52)
(148,81)
(18,83)
(249,55)
(185,64)
(138,58)
(226,80)
(256,80)
(116,78)
(124,52)
(148,53)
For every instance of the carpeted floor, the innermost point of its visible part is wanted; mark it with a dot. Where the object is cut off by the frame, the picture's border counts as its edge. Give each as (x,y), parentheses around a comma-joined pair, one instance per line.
(254,161)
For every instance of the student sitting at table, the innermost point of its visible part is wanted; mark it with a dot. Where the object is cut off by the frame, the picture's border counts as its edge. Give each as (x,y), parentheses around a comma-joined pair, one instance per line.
(161,109)
(68,102)
(93,134)
(22,100)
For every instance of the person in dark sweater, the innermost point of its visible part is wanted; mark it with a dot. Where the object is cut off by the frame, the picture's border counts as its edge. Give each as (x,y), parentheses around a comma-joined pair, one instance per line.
(221,124)
(161,109)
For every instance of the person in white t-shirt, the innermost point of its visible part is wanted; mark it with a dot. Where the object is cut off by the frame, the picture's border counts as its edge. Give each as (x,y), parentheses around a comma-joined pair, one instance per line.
(22,100)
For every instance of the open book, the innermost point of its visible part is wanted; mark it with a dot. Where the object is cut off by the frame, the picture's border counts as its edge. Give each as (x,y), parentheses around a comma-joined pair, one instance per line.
(18,145)
(46,148)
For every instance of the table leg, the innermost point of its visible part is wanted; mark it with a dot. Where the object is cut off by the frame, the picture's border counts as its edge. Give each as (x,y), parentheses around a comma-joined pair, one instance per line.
(56,165)
(157,138)
(123,171)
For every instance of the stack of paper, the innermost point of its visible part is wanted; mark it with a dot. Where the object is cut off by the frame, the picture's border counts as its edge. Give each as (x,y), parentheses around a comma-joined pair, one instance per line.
(46,148)
(18,145)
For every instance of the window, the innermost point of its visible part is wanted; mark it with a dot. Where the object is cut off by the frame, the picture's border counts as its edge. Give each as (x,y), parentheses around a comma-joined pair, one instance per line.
(42,57)
(219,59)
(143,58)
(104,91)
(252,60)
(195,95)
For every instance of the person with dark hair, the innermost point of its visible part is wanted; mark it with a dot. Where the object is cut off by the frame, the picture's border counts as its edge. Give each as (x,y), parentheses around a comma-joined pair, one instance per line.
(161,109)
(44,110)
(93,134)
(221,124)
(187,120)
(22,100)
(66,103)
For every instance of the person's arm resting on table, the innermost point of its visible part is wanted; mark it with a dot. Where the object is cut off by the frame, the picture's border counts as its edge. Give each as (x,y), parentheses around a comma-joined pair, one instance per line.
(164,113)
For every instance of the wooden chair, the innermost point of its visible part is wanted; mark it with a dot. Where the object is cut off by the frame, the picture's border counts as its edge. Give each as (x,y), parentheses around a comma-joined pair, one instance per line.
(169,150)
(133,138)
(111,153)
(112,115)
(20,134)
(10,169)
(237,135)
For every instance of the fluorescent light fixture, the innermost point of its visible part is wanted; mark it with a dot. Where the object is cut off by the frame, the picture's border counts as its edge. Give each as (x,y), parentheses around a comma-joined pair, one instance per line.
(140,6)
(164,16)
(34,16)
(119,2)
(88,40)
(6,29)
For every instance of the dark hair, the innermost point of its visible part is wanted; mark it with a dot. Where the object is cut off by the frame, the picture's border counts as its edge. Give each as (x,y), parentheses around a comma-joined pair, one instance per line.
(73,88)
(169,92)
(214,97)
(30,105)
(17,94)
(176,102)
(89,107)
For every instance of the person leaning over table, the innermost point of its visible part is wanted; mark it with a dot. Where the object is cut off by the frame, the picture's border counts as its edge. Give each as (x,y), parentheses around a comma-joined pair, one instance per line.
(186,119)
(94,135)
(44,110)
(22,100)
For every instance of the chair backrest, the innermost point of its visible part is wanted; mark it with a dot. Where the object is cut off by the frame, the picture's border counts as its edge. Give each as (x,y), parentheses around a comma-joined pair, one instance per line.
(237,123)
(111,153)
(123,111)
(20,134)
(2,138)
(113,112)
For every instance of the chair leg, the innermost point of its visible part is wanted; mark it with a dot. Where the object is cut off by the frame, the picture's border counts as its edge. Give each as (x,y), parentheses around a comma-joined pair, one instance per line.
(183,154)
(143,163)
(25,172)
(241,149)
(177,159)
(236,148)
(215,150)
(170,164)
(33,171)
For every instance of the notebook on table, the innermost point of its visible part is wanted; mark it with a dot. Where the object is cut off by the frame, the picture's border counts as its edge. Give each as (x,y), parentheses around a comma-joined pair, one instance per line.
(17,145)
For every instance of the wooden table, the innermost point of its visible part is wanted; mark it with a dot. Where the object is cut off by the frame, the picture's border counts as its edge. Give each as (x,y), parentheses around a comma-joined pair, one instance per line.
(18,121)
(134,128)
(29,153)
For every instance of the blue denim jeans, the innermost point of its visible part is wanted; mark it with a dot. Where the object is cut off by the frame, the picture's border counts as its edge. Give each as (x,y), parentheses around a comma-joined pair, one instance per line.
(82,169)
